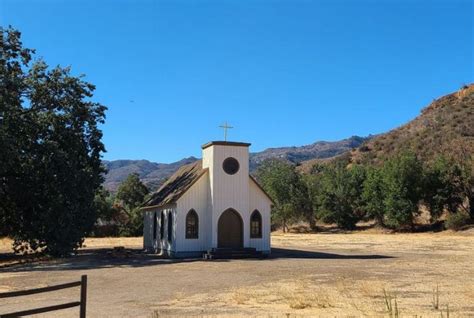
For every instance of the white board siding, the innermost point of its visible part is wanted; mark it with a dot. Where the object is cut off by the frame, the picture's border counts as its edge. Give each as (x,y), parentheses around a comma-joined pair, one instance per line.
(207,158)
(155,245)
(198,198)
(259,201)
(164,244)
(228,191)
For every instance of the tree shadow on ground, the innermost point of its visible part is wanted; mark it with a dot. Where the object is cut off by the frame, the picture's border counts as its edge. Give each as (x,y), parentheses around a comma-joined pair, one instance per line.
(103,258)
(334,229)
(98,258)
(362,227)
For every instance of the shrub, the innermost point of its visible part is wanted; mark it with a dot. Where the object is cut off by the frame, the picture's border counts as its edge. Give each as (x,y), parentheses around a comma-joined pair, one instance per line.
(364,148)
(456,221)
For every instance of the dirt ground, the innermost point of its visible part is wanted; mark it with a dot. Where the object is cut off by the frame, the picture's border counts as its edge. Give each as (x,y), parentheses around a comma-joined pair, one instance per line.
(307,275)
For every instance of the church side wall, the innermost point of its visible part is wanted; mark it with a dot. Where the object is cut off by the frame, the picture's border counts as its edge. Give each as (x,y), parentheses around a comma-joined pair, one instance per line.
(260,202)
(198,198)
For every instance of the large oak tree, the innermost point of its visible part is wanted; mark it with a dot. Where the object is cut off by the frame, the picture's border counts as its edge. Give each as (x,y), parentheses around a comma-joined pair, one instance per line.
(50,167)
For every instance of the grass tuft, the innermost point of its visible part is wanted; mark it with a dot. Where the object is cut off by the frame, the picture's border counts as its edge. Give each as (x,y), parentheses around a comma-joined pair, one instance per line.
(391,305)
(435,297)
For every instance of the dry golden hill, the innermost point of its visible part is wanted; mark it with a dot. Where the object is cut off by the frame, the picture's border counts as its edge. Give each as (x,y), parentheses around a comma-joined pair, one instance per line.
(446,127)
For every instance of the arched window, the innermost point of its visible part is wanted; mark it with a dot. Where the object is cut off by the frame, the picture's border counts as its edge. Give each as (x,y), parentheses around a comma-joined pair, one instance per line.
(155,225)
(192,225)
(162,225)
(170,225)
(256,225)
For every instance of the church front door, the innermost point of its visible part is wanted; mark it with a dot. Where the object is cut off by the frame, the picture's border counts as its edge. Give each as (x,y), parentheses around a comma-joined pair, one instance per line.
(230,230)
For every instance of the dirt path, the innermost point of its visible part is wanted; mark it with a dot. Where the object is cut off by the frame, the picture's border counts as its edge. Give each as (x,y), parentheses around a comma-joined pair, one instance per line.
(307,275)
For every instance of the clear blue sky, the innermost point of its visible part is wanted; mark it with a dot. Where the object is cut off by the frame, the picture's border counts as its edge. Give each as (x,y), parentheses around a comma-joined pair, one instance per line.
(282,72)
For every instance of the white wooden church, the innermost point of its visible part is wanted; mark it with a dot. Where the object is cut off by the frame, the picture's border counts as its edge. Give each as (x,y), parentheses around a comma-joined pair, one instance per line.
(211,203)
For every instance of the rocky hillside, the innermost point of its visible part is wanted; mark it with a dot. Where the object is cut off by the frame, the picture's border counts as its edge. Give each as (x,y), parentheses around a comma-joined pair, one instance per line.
(446,127)
(317,150)
(153,174)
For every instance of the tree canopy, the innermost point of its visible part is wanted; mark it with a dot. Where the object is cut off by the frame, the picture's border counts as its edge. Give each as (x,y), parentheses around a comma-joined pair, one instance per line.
(51,148)
(286,187)
(130,196)
(391,193)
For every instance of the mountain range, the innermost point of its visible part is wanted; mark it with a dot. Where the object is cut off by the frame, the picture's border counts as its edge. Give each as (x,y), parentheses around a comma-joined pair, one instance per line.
(153,174)
(445,127)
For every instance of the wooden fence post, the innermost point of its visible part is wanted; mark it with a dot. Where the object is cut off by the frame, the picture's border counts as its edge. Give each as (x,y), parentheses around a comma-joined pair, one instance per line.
(83,296)
(82,303)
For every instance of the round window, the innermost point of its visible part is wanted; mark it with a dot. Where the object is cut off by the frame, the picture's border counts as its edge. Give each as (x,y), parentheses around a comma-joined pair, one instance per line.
(230,165)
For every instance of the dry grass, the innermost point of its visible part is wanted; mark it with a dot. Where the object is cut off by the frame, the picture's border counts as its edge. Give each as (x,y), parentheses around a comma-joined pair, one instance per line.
(105,242)
(421,263)
(345,297)
(91,242)
(331,282)
(5,245)
(295,294)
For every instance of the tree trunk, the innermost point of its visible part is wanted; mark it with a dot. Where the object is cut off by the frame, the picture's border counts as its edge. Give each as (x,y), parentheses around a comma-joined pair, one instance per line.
(379,220)
(312,222)
(471,207)
(284,225)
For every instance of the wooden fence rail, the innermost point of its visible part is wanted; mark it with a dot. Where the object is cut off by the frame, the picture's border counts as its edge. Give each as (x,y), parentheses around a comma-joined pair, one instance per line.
(81,303)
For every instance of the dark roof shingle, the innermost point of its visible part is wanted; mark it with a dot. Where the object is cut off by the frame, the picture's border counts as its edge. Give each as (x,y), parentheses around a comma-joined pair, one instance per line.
(176,185)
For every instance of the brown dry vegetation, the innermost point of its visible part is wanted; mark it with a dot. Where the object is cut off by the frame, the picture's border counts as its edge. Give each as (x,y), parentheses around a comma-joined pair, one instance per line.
(307,275)
(445,127)
(421,262)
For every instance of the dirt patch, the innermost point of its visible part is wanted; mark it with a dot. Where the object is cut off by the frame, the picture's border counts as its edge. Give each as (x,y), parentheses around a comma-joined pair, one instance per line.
(307,275)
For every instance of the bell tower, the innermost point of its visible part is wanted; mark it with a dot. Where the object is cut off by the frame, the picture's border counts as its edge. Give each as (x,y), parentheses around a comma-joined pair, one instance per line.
(228,164)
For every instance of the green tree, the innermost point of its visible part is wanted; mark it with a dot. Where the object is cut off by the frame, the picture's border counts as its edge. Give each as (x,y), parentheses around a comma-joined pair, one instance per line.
(109,215)
(131,192)
(373,195)
(467,167)
(51,147)
(104,204)
(288,190)
(358,175)
(314,185)
(131,195)
(444,186)
(301,201)
(402,186)
(340,195)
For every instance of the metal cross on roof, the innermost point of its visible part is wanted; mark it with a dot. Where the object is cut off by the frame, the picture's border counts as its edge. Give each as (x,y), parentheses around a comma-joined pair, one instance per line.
(225,127)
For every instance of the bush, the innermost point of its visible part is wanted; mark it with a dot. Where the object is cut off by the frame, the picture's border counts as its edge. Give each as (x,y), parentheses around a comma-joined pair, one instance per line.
(456,221)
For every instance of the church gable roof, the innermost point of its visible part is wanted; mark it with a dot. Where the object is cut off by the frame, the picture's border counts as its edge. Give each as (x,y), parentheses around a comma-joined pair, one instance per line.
(176,185)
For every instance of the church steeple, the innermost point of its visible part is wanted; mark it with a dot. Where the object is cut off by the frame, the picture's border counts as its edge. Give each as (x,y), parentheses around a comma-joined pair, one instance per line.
(228,165)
